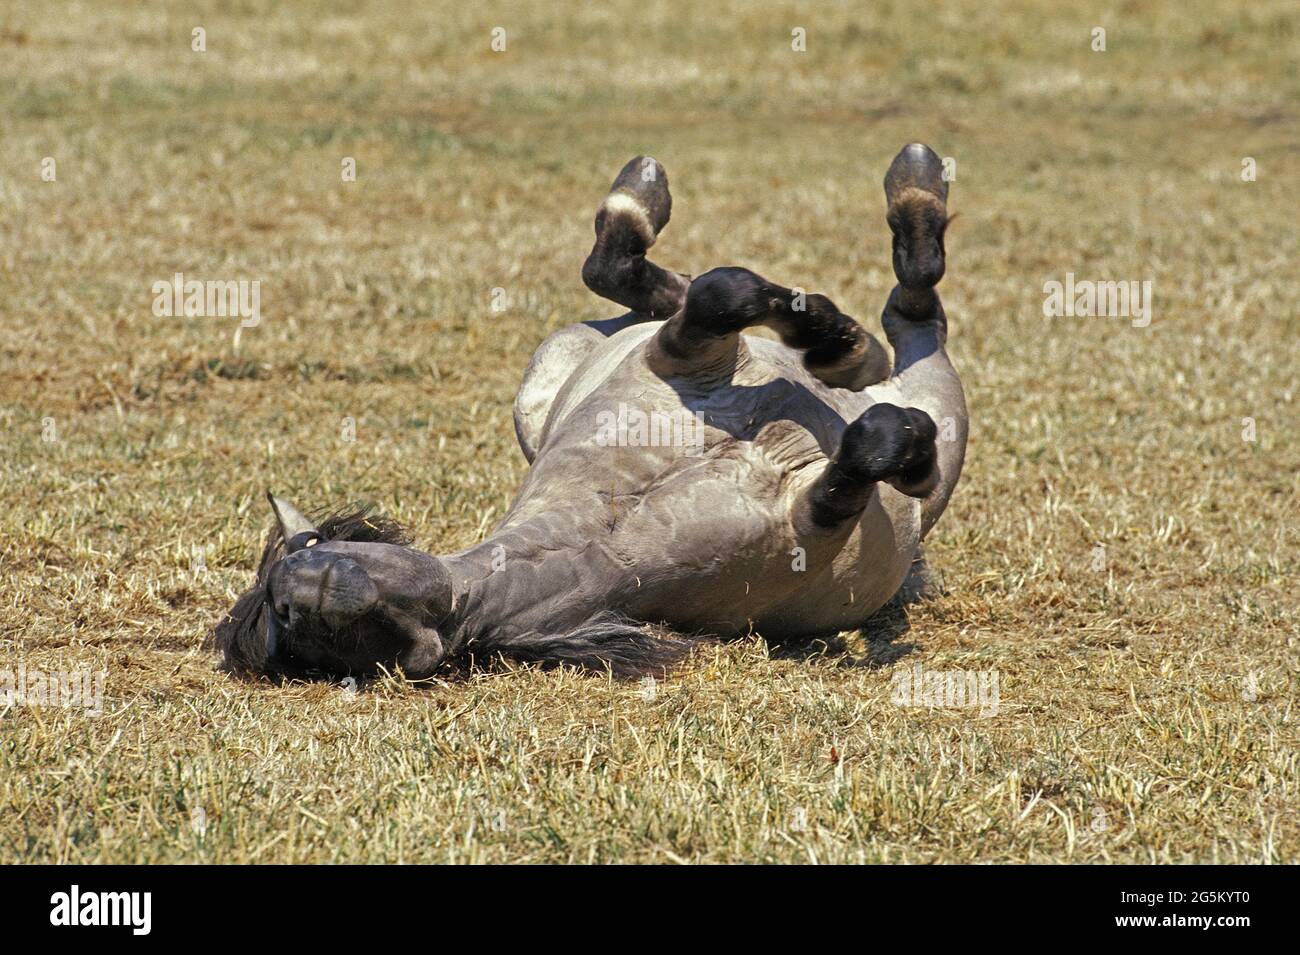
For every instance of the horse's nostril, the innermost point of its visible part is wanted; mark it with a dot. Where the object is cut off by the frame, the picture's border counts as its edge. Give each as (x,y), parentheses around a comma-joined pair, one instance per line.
(346,592)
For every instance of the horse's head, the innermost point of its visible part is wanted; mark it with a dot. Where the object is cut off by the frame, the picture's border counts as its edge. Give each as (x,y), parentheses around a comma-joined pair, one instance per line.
(345,595)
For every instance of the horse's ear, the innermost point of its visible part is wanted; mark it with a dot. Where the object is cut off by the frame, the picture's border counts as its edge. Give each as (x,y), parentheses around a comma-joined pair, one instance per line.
(295,530)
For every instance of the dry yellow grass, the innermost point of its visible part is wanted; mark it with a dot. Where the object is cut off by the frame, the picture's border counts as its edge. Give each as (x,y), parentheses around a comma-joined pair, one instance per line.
(1116,553)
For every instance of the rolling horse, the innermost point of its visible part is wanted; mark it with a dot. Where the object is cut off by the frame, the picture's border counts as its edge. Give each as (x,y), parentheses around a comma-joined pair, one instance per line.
(794,505)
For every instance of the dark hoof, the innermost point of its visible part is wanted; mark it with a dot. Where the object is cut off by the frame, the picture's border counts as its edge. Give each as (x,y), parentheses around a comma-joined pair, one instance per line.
(627,224)
(916,166)
(891,444)
(918,217)
(645,180)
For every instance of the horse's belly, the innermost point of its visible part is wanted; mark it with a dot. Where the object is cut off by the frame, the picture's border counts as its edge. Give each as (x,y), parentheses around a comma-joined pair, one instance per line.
(860,578)
(766,581)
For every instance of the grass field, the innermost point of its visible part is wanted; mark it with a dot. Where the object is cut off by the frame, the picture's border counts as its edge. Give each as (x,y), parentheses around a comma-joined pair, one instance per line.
(1121,552)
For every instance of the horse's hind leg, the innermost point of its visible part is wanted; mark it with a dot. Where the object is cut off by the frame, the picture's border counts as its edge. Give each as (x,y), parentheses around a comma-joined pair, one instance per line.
(914,320)
(627,224)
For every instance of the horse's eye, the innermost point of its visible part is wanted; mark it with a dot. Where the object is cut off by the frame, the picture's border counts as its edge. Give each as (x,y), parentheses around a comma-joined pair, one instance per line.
(301,540)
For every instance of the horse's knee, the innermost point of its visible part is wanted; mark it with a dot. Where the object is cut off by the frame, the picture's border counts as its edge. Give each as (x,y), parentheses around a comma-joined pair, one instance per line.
(885,444)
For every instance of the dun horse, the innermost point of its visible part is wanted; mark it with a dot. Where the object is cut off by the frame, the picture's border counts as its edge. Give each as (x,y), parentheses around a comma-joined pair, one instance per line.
(788,493)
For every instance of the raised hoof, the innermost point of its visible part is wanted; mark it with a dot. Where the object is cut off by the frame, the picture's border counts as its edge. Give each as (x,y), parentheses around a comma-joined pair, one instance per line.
(918,217)
(916,166)
(891,444)
(627,224)
(641,189)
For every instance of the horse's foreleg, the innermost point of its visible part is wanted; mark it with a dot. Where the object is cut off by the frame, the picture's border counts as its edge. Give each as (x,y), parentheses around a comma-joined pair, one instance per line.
(885,444)
(703,340)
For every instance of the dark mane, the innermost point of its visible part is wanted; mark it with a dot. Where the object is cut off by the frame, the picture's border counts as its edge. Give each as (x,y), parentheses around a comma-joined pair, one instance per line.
(240,636)
(606,641)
